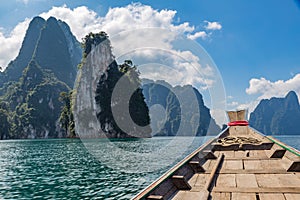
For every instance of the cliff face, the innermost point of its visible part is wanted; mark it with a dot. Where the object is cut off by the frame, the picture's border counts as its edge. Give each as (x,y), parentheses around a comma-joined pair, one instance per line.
(15,68)
(85,108)
(31,84)
(100,109)
(52,45)
(184,111)
(277,116)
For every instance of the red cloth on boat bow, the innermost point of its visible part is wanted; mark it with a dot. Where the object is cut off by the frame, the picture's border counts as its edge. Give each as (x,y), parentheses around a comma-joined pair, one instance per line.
(239,123)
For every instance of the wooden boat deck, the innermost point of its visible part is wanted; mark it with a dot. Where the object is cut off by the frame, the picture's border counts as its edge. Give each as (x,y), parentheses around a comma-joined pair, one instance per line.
(241,177)
(247,165)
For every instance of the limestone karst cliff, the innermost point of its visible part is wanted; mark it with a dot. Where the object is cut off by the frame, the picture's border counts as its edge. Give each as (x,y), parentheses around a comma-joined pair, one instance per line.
(31,84)
(277,116)
(100,109)
(184,111)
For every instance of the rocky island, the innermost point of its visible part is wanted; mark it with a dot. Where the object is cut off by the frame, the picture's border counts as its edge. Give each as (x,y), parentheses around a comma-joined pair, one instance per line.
(97,98)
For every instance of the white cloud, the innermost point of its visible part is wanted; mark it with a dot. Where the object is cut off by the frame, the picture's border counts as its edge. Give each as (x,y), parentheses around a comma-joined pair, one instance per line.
(83,20)
(118,19)
(220,116)
(267,89)
(135,19)
(80,19)
(11,43)
(186,65)
(200,34)
(213,25)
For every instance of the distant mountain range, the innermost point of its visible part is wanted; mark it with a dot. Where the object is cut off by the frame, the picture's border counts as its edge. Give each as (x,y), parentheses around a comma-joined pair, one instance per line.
(35,94)
(277,116)
(35,88)
(183,111)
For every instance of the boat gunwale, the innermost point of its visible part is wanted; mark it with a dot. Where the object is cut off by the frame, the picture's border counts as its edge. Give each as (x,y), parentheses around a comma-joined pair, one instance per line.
(283,145)
(278,142)
(169,173)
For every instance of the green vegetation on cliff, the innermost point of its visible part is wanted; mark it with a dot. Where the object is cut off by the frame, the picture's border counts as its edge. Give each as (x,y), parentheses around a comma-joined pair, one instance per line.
(138,109)
(31,84)
(66,118)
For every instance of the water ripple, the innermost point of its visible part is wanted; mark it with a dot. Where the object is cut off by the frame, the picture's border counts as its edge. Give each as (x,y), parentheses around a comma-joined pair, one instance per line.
(63,169)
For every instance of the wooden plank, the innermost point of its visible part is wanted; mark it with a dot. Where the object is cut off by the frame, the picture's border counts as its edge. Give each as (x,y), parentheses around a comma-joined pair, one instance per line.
(243,196)
(278,153)
(298,174)
(275,152)
(289,196)
(272,164)
(155,197)
(185,171)
(292,156)
(238,131)
(233,164)
(248,158)
(252,171)
(207,164)
(193,180)
(217,153)
(228,154)
(288,180)
(258,154)
(240,154)
(220,196)
(201,180)
(278,180)
(196,166)
(246,181)
(226,180)
(273,196)
(158,184)
(180,182)
(211,164)
(212,176)
(166,186)
(267,180)
(252,164)
(290,165)
(294,190)
(191,195)
(207,154)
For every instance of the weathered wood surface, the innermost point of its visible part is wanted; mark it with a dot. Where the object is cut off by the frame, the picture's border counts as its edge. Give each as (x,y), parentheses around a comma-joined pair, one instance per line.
(220,196)
(243,196)
(292,196)
(267,171)
(271,196)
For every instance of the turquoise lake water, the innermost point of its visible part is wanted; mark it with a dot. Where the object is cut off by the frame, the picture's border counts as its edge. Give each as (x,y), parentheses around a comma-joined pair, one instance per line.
(72,169)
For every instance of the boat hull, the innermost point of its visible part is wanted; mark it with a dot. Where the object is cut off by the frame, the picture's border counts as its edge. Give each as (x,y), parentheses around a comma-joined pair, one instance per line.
(239,163)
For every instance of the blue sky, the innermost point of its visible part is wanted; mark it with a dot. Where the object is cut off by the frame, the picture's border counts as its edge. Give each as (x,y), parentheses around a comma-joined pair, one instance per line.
(257,48)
